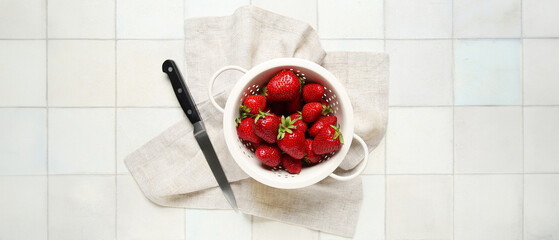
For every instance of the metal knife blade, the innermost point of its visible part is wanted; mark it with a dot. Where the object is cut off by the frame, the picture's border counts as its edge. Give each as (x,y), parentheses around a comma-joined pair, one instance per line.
(189,107)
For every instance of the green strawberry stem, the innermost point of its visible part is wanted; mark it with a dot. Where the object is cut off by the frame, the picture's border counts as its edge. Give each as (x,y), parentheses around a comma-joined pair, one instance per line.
(326,110)
(262,115)
(338,133)
(285,126)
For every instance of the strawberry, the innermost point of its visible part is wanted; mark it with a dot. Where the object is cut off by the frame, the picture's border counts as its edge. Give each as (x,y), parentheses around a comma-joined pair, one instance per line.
(283,87)
(321,123)
(289,141)
(291,165)
(269,155)
(253,104)
(328,140)
(255,145)
(278,108)
(310,156)
(295,105)
(313,92)
(312,111)
(245,130)
(266,126)
(300,125)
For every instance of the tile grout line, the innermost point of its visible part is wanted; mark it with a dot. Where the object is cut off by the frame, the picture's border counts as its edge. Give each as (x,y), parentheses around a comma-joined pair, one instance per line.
(453,122)
(178,107)
(386,132)
(47,108)
(184,59)
(327,38)
(116,122)
(522,117)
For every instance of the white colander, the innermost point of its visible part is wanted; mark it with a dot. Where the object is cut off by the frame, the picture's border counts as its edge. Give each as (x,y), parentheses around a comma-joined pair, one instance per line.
(250,83)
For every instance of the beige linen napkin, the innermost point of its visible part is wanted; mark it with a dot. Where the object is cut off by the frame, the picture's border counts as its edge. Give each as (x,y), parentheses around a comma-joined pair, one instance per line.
(172,171)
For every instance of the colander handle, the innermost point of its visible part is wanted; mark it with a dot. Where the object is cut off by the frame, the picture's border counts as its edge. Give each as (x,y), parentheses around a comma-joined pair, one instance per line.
(214,77)
(359,169)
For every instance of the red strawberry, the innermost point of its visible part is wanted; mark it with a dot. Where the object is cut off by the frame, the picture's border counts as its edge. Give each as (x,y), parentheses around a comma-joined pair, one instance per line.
(289,141)
(300,125)
(313,92)
(312,111)
(310,156)
(253,104)
(321,123)
(328,140)
(266,126)
(295,105)
(255,145)
(278,108)
(269,155)
(291,165)
(245,130)
(283,87)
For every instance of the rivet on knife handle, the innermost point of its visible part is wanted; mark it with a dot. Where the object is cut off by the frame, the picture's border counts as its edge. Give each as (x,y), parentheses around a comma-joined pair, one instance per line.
(181,91)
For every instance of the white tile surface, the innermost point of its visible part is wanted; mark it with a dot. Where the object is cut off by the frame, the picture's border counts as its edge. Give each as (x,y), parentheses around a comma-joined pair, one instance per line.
(377,159)
(264,229)
(341,21)
(203,8)
(86,19)
(419,140)
(20,86)
(136,126)
(23,19)
(140,79)
(418,19)
(23,207)
(540,71)
(488,140)
(487,72)
(304,10)
(201,224)
(81,72)
(488,207)
(138,218)
(371,217)
(541,138)
(353,45)
(158,19)
(419,207)
(81,207)
(420,72)
(81,140)
(539,18)
(487,19)
(23,141)
(541,214)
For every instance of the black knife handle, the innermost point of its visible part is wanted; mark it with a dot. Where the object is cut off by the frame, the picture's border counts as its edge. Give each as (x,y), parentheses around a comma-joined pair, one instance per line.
(181,91)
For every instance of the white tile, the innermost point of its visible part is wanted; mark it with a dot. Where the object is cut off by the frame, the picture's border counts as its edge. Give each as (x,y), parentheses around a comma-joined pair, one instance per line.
(23,207)
(541,214)
(201,224)
(81,72)
(371,218)
(23,141)
(488,140)
(150,19)
(488,207)
(350,19)
(353,45)
(418,19)
(487,19)
(487,72)
(540,71)
(541,138)
(203,8)
(81,207)
(264,229)
(81,19)
(140,79)
(419,207)
(81,140)
(137,126)
(420,72)
(23,19)
(304,10)
(539,18)
(23,73)
(377,159)
(138,218)
(419,140)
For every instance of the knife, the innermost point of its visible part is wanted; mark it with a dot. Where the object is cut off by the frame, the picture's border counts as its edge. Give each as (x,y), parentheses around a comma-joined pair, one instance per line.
(191,111)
